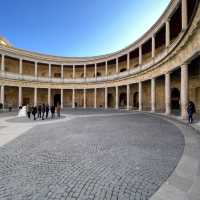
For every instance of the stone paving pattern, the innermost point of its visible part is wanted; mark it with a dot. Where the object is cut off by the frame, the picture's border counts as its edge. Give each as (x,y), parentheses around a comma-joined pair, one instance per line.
(109,157)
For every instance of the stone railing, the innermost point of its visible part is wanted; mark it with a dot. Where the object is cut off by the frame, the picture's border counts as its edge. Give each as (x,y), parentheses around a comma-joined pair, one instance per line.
(163,54)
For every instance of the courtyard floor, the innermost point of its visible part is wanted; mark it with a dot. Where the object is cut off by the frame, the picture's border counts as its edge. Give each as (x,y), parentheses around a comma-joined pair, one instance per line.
(89,155)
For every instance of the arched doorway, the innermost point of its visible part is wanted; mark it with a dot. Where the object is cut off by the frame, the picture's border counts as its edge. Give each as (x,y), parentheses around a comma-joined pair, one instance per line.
(110,100)
(175,99)
(136,100)
(57,99)
(122,100)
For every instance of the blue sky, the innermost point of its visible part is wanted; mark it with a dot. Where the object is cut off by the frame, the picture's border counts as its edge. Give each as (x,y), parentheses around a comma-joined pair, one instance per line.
(77,27)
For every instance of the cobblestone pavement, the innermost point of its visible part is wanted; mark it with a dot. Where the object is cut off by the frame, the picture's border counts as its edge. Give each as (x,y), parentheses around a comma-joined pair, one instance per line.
(100,157)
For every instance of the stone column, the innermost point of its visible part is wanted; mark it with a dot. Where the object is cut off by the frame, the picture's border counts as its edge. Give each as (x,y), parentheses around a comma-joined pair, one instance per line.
(73,98)
(128,61)
(117,65)
(117,97)
(153,46)
(85,71)
(74,70)
(2,95)
(184,15)
(153,95)
(35,96)
(184,90)
(61,98)
(106,97)
(84,98)
(20,66)
(3,63)
(36,69)
(95,98)
(140,96)
(167,94)
(49,96)
(128,96)
(62,71)
(20,97)
(167,34)
(106,68)
(95,70)
(140,55)
(49,70)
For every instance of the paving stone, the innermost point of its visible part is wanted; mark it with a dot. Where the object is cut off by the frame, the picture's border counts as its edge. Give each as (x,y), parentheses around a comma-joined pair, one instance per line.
(126,156)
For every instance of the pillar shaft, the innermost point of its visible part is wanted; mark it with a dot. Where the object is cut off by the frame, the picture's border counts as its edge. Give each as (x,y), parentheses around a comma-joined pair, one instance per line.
(167,34)
(106,97)
(167,94)
(20,96)
(35,96)
(2,95)
(49,96)
(61,98)
(184,15)
(106,69)
(74,70)
(117,97)
(36,69)
(95,98)
(85,71)
(117,65)
(84,98)
(20,66)
(153,95)
(49,70)
(140,55)
(184,90)
(128,96)
(95,70)
(140,96)
(73,98)
(128,61)
(3,63)
(62,71)
(153,46)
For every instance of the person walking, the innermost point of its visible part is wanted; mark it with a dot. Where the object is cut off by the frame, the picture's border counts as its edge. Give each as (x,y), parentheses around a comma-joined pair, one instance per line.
(52,111)
(28,109)
(47,111)
(191,110)
(34,111)
(43,110)
(58,109)
(39,111)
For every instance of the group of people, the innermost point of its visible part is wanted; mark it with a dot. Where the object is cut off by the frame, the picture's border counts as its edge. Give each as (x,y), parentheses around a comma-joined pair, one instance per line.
(42,111)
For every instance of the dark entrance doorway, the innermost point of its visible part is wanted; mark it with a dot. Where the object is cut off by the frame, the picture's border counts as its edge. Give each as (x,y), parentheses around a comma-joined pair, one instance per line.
(122,100)
(136,100)
(175,99)
(57,99)
(110,100)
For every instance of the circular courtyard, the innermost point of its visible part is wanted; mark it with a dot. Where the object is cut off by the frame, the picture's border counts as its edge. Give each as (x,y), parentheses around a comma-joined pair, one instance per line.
(91,156)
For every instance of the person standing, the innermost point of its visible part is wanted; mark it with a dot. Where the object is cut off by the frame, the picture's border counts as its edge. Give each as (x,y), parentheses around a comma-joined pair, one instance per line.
(43,110)
(58,109)
(47,111)
(191,110)
(52,111)
(34,111)
(39,111)
(28,108)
